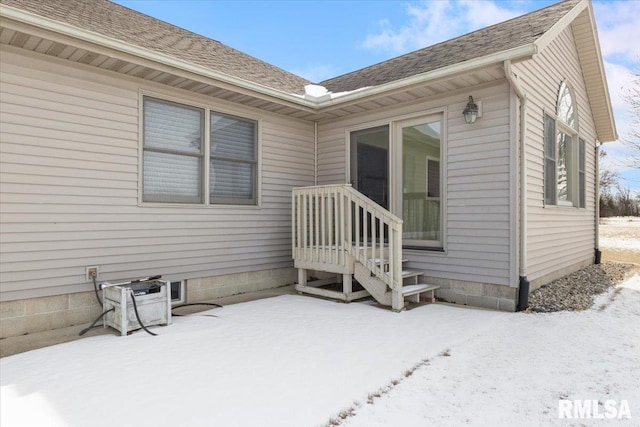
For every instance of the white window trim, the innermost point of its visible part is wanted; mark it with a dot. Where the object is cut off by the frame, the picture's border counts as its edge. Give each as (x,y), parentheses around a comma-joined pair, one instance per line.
(207,129)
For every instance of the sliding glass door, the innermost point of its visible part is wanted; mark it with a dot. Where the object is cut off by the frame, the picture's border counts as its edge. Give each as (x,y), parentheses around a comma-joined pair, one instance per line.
(402,171)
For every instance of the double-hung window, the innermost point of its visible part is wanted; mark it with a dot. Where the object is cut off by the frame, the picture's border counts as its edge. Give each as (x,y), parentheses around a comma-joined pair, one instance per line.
(233,163)
(564,156)
(173,152)
(175,168)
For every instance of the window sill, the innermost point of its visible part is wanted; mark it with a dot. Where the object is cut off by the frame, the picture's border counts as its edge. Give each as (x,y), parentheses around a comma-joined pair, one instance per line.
(196,206)
(562,207)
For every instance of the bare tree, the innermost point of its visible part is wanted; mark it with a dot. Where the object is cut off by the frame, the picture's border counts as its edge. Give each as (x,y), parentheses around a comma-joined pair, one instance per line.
(608,178)
(615,198)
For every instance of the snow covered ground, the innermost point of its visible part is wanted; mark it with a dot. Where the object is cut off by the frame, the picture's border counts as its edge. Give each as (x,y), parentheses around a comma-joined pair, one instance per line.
(516,374)
(620,239)
(299,361)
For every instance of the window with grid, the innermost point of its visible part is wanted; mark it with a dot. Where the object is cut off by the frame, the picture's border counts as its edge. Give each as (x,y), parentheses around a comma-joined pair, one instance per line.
(564,155)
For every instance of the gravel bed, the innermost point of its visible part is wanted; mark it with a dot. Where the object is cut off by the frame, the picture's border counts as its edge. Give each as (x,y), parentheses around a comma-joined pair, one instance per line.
(575,292)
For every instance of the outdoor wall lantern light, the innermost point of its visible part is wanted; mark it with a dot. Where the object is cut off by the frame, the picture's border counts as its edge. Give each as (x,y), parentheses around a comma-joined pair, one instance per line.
(470,112)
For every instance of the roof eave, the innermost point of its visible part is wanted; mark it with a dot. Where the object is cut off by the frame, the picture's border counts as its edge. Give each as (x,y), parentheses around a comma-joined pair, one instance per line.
(514,54)
(147,54)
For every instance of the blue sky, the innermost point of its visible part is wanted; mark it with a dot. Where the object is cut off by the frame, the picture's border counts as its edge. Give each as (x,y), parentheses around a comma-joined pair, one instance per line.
(322,39)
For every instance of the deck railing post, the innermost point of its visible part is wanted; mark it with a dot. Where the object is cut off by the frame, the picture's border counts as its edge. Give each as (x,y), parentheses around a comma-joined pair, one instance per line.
(397,301)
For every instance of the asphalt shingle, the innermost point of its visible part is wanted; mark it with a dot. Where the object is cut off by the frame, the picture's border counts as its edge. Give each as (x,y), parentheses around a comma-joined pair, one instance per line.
(507,35)
(126,25)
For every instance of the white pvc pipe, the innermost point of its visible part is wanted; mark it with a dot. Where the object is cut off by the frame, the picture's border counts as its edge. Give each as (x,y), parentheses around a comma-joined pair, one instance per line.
(523,167)
(597,194)
(315,154)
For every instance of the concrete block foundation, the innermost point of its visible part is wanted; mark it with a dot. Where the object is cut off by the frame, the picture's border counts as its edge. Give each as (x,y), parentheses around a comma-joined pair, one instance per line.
(485,295)
(27,316)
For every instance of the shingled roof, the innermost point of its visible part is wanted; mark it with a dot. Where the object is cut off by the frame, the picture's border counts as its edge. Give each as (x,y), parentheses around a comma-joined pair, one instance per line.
(121,23)
(507,35)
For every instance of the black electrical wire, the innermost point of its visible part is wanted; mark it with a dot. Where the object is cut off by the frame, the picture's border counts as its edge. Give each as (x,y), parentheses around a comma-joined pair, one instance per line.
(194,303)
(85,330)
(95,289)
(191,315)
(135,308)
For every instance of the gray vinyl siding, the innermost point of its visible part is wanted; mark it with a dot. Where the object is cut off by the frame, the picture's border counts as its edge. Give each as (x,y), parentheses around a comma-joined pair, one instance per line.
(558,237)
(69,186)
(479,232)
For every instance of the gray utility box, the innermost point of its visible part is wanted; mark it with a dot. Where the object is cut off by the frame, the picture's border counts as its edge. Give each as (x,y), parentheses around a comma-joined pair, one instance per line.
(153,299)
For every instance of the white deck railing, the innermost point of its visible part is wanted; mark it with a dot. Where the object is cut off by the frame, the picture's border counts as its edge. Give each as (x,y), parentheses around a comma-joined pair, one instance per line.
(334,224)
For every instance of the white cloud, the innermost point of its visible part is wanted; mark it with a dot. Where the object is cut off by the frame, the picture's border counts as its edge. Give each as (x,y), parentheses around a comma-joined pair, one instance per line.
(315,73)
(619,32)
(620,79)
(485,13)
(431,22)
(619,28)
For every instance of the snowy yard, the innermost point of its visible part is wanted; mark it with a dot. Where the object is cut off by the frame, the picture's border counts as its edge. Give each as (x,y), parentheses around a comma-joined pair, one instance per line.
(300,361)
(620,239)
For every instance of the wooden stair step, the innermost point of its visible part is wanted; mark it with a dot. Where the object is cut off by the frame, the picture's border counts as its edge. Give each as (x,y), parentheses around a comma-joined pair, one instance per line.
(417,289)
(408,272)
(384,260)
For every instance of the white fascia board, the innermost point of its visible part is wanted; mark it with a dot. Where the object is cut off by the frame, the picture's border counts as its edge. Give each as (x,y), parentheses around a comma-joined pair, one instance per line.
(109,42)
(521,52)
(555,30)
(18,15)
(603,77)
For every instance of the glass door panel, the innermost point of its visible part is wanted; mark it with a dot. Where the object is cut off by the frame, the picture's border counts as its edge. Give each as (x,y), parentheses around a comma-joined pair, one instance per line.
(370,163)
(370,176)
(421,184)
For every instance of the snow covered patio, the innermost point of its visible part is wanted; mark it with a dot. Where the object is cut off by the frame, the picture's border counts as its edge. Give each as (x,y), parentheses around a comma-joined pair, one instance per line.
(300,361)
